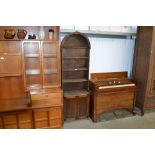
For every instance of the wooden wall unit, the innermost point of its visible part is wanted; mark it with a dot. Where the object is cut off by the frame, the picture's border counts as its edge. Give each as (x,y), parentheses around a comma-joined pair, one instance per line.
(75,49)
(144,67)
(30,80)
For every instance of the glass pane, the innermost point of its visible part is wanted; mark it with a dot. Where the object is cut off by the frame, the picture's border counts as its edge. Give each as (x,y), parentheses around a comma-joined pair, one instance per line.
(32,64)
(50,79)
(33,81)
(49,49)
(31,48)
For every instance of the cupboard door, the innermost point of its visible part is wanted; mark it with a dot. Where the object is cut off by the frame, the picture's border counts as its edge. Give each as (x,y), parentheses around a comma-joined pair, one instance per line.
(70,108)
(56,118)
(10,121)
(25,120)
(10,47)
(48,117)
(41,118)
(10,65)
(50,64)
(32,64)
(83,106)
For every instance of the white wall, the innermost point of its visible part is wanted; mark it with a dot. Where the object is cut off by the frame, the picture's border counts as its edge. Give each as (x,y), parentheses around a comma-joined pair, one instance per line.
(111,55)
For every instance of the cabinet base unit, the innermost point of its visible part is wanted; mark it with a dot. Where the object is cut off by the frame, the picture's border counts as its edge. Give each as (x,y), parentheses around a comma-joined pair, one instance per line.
(16,120)
(41,109)
(51,117)
(76,107)
(110,91)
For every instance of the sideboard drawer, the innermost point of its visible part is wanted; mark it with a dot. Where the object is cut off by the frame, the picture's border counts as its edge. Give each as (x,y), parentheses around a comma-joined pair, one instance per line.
(52,99)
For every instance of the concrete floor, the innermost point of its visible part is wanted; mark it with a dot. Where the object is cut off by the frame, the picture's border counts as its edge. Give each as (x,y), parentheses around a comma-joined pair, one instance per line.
(119,119)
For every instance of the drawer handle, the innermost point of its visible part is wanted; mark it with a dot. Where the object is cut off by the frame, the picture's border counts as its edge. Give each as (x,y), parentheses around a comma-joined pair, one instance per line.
(2,58)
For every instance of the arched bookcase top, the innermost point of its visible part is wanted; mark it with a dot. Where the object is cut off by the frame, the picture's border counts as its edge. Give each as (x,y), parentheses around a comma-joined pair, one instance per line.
(75,39)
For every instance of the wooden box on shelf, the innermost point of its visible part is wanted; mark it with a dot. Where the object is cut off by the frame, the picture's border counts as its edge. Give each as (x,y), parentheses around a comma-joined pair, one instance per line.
(111,91)
(75,49)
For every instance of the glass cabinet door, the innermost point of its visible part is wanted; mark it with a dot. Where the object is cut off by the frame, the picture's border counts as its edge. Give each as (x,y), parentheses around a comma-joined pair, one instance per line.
(50,64)
(32,64)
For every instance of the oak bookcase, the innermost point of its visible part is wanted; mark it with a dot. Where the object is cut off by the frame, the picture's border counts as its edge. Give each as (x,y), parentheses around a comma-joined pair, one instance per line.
(75,49)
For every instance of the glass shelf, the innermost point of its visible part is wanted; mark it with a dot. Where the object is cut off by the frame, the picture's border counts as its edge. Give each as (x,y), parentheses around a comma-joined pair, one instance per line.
(50,71)
(50,56)
(33,72)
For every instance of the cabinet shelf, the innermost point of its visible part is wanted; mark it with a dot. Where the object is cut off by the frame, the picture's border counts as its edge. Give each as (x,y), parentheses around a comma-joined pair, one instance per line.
(74,93)
(50,71)
(75,80)
(76,69)
(31,55)
(10,75)
(10,54)
(30,40)
(50,56)
(75,57)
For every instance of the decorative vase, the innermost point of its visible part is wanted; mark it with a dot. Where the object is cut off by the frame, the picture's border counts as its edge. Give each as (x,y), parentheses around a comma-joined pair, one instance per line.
(21,34)
(9,34)
(41,33)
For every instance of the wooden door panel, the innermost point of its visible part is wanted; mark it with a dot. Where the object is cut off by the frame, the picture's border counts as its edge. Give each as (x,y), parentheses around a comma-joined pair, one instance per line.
(10,64)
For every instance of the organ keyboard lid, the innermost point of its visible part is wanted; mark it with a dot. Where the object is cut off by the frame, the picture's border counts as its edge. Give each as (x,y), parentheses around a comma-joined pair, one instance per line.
(112,80)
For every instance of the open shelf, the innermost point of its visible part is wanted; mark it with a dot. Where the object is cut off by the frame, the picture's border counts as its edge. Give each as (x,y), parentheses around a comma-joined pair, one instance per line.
(75,80)
(73,93)
(76,69)
(75,57)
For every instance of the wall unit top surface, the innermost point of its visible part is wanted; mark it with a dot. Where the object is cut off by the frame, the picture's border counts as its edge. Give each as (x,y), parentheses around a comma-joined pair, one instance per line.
(30,31)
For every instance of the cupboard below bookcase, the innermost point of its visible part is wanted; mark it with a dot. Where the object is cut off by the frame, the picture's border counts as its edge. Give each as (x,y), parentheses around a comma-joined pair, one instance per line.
(30,80)
(75,49)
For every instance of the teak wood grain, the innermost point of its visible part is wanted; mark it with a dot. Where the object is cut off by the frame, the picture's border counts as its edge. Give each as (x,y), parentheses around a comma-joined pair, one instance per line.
(30,80)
